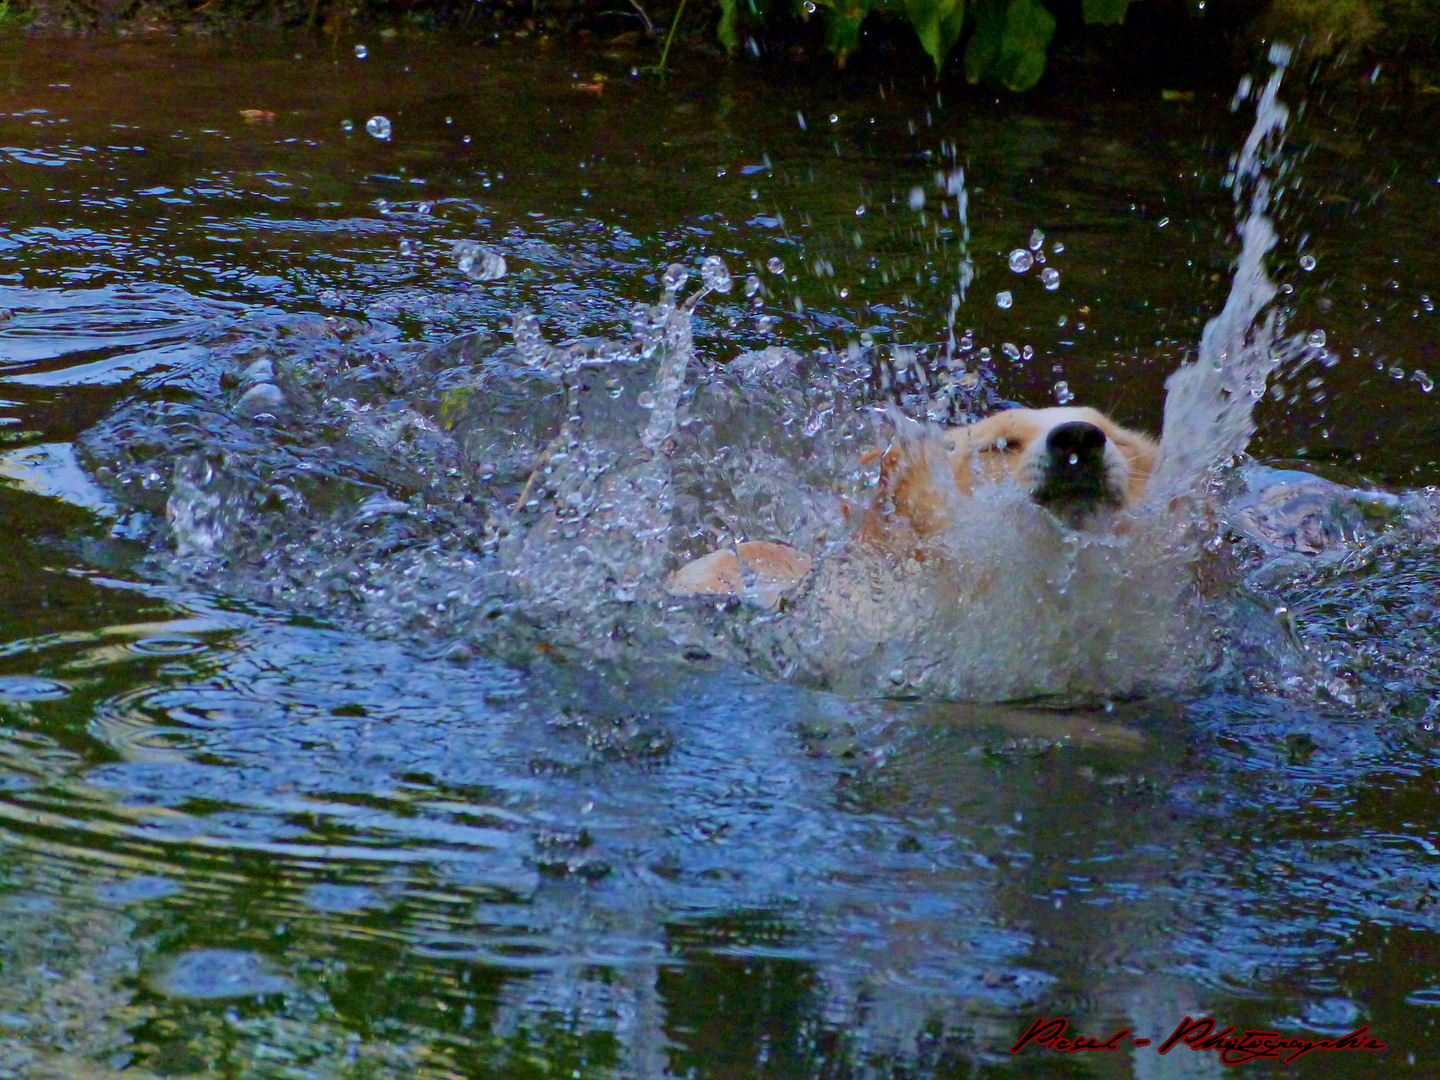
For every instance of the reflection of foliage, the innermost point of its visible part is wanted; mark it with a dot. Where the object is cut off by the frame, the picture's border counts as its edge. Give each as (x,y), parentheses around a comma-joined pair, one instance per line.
(1007,43)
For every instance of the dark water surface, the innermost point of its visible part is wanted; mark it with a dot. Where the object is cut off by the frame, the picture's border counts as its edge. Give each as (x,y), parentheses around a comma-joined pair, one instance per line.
(239,839)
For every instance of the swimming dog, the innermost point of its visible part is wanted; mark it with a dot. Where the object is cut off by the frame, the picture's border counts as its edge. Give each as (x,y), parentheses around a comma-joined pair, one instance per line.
(1076,463)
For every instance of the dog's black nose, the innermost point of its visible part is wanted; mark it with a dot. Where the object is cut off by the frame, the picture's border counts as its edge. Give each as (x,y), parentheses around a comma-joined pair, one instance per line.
(1072,481)
(1075,442)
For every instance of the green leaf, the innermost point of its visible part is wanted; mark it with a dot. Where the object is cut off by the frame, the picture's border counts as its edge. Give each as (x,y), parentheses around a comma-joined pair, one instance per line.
(1111,12)
(727,32)
(1008,46)
(842,26)
(938,24)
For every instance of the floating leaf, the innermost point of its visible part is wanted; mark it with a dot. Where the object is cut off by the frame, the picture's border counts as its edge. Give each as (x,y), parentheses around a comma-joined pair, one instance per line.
(938,24)
(1109,12)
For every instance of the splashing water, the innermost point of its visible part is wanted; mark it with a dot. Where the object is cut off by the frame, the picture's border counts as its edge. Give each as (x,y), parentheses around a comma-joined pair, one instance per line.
(1209,404)
(549,490)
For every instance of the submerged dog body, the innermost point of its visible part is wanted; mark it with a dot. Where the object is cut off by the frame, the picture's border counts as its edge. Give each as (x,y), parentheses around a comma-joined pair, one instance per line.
(1076,463)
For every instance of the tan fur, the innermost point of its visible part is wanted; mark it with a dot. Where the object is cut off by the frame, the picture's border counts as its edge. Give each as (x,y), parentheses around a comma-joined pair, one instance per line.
(910,507)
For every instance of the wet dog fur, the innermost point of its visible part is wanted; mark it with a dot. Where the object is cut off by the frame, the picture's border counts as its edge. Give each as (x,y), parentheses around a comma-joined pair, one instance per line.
(1076,463)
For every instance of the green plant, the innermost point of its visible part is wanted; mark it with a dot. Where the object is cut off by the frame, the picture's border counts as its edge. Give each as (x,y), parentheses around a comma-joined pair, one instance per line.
(1008,38)
(13,17)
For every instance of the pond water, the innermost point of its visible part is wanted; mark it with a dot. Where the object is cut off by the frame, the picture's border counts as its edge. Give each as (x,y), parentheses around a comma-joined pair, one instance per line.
(291,785)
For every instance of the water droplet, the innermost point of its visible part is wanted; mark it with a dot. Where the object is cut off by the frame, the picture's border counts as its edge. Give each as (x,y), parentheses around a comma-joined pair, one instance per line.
(361,52)
(1021,260)
(347,125)
(917,198)
(1036,239)
(1056,248)
(1064,396)
(775,266)
(752,285)
(675,277)
(378,126)
(1426,383)
(1003,299)
(1027,352)
(1307,262)
(478,262)
(1051,277)
(715,274)
(1315,338)
(1011,350)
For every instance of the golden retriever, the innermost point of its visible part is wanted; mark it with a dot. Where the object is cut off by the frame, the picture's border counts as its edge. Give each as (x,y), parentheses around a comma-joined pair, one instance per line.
(1076,463)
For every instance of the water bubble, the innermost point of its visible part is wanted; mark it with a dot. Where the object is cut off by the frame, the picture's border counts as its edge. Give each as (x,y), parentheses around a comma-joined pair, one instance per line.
(860,210)
(1425,303)
(1011,350)
(715,274)
(1003,299)
(775,266)
(1396,371)
(1027,352)
(800,116)
(675,277)
(1062,320)
(378,126)
(466,139)
(408,247)
(1063,393)
(1162,223)
(1426,383)
(478,262)
(361,52)
(752,285)
(1316,338)
(834,118)
(984,353)
(425,208)
(449,120)
(645,399)
(1056,248)
(917,198)
(347,125)
(1355,621)
(1021,260)
(810,7)
(844,293)
(1307,262)
(1036,239)
(1051,278)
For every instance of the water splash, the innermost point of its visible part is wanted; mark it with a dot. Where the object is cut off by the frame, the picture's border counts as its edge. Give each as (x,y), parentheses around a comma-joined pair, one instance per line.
(1209,404)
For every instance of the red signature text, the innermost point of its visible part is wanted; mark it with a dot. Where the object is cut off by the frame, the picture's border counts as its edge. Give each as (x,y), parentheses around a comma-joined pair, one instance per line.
(1200,1035)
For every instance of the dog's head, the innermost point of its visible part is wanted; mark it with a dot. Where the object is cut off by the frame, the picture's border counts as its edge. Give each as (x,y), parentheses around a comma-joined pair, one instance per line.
(1074,462)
